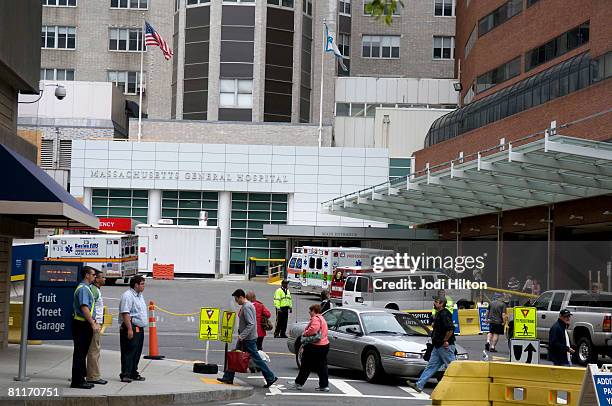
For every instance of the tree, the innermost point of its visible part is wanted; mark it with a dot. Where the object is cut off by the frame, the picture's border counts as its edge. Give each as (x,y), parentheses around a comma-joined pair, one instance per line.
(383,9)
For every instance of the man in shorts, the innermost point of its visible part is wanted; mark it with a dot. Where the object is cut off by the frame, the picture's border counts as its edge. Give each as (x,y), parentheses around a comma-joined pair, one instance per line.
(496,315)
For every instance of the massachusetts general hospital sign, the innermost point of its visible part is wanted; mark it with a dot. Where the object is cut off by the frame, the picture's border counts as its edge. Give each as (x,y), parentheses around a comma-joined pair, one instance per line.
(195,176)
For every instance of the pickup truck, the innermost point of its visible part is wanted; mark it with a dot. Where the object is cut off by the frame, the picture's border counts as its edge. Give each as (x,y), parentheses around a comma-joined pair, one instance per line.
(591,324)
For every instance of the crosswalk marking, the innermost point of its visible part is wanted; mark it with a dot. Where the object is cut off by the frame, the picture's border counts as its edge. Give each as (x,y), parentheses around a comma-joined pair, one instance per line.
(345,387)
(414,393)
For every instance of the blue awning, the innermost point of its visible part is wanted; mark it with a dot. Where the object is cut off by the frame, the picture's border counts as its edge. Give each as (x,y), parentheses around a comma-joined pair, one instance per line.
(27,191)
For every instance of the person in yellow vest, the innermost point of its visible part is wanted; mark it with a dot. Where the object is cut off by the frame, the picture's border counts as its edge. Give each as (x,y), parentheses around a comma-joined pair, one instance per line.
(284,305)
(93,356)
(450,305)
(83,327)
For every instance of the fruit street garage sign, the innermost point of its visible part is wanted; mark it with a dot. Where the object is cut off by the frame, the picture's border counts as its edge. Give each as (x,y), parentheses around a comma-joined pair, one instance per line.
(209,323)
(525,323)
(227,326)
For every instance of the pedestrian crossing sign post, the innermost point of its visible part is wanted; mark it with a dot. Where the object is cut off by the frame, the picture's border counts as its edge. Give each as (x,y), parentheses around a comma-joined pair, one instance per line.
(525,323)
(209,323)
(227,326)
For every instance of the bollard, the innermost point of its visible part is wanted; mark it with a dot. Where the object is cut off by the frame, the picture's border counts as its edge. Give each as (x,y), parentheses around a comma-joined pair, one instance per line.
(153,347)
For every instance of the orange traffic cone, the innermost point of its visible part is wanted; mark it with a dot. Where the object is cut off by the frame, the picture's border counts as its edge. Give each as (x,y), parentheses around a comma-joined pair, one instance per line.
(153,347)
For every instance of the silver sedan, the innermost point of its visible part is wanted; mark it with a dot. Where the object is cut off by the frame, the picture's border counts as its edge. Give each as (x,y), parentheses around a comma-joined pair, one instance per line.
(377,342)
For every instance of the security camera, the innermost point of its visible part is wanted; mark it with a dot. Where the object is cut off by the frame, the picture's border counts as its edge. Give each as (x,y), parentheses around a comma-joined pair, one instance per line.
(60,92)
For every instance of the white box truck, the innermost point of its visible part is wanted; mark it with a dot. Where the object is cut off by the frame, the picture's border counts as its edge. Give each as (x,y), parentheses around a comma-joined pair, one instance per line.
(193,250)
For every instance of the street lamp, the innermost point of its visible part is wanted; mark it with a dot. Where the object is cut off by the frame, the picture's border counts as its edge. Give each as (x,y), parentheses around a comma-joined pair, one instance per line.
(60,92)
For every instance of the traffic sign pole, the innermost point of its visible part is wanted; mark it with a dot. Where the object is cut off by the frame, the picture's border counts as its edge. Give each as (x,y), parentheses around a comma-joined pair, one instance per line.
(207,345)
(25,319)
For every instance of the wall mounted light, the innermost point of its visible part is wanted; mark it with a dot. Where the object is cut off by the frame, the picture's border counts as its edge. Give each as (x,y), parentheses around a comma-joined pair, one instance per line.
(574,217)
(607,213)
(457,86)
(517,224)
(475,229)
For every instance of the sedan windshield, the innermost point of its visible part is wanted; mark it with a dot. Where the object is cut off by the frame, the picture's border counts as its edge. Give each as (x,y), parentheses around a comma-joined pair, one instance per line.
(389,323)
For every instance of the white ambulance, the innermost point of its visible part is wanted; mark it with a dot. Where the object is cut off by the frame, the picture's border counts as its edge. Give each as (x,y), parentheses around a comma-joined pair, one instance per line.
(114,254)
(319,264)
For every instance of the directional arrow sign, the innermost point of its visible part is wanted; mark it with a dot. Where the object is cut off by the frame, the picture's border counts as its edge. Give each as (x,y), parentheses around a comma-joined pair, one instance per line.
(525,351)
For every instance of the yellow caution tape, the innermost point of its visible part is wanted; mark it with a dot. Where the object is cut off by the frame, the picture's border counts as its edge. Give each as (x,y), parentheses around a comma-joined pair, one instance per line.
(177,314)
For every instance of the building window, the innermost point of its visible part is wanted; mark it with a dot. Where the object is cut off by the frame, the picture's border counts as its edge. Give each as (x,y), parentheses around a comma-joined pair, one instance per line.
(499,16)
(366,3)
(344,7)
(54,37)
(557,46)
(250,211)
(444,8)
(125,203)
(184,207)
(470,43)
(56,74)
(376,46)
(399,168)
(133,4)
(498,75)
(307,7)
(236,93)
(344,45)
(125,39)
(281,3)
(59,3)
(195,2)
(127,82)
(443,47)
(531,2)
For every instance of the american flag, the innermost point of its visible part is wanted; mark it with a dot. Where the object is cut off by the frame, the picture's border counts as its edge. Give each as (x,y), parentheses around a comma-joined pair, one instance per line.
(152,38)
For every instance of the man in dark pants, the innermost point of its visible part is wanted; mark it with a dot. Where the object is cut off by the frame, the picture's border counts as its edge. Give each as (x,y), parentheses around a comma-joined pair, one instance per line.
(559,349)
(133,319)
(83,327)
(284,305)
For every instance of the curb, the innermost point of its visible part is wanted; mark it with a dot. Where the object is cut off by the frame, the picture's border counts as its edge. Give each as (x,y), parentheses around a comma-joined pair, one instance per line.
(181,398)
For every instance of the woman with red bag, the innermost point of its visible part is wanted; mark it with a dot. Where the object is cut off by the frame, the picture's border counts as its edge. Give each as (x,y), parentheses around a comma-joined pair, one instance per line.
(316,347)
(262,312)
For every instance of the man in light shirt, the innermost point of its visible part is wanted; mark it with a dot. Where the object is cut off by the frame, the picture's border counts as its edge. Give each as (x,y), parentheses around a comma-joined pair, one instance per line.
(93,355)
(133,319)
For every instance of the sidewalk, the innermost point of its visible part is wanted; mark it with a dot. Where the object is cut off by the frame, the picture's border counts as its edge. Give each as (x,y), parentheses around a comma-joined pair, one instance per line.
(168,382)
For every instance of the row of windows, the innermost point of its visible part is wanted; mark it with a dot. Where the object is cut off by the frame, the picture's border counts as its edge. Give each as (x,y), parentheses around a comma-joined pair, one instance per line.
(499,16)
(369,110)
(58,37)
(56,74)
(131,4)
(128,82)
(184,207)
(442,8)
(120,39)
(564,78)
(388,46)
(498,75)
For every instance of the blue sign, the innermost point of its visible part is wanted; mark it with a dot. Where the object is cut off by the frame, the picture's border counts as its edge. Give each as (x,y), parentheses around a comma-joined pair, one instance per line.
(51,297)
(603,387)
(21,253)
(484,325)
(456,321)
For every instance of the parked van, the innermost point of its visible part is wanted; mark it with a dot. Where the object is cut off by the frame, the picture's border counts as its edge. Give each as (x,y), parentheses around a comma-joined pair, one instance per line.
(294,269)
(391,290)
(339,278)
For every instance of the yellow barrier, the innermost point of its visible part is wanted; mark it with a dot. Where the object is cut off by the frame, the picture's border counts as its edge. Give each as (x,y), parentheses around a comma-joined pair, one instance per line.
(512,293)
(14,336)
(469,322)
(506,384)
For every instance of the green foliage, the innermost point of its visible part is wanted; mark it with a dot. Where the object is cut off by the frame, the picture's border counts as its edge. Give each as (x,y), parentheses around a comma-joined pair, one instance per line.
(383,9)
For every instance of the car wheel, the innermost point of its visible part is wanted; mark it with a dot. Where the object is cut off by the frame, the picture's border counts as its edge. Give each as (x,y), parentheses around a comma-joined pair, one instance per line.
(298,354)
(372,366)
(585,353)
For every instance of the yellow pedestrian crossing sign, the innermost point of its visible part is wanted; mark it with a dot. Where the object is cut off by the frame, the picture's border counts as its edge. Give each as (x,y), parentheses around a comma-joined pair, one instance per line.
(227,326)
(209,323)
(525,322)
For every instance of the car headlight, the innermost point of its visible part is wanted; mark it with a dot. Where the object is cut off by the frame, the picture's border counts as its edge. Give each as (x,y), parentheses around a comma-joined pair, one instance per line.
(462,356)
(411,355)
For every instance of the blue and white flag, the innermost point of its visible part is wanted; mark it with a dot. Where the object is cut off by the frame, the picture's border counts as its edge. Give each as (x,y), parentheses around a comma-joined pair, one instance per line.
(330,46)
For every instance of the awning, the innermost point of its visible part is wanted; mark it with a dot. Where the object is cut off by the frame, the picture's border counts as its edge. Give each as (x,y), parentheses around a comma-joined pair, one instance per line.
(28,193)
(285,231)
(541,172)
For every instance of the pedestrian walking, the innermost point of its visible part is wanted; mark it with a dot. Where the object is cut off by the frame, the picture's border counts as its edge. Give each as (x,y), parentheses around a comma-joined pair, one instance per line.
(284,305)
(247,336)
(83,328)
(325,302)
(496,317)
(315,353)
(133,319)
(443,341)
(93,355)
(528,286)
(559,347)
(450,305)
(263,315)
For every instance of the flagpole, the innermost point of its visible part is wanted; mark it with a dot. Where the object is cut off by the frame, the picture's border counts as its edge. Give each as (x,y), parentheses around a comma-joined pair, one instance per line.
(142,46)
(321,95)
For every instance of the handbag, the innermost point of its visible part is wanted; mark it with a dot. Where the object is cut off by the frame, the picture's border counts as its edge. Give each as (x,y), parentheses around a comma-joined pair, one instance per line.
(238,361)
(266,324)
(428,351)
(311,339)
